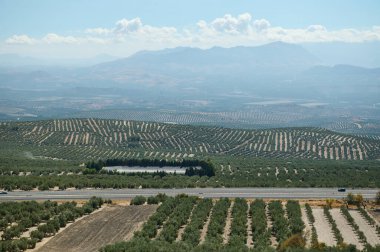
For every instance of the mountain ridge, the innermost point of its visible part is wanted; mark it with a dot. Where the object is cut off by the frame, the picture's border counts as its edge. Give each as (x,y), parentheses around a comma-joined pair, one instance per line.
(276,54)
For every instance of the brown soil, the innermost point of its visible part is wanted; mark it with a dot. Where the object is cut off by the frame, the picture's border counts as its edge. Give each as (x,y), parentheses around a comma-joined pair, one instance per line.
(113,224)
(321,203)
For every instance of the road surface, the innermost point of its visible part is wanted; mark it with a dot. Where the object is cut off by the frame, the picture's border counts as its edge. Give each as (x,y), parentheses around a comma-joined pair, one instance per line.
(269,193)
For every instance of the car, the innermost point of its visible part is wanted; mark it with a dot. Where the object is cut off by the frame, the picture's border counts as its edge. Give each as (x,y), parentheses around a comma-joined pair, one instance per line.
(341,189)
(3,192)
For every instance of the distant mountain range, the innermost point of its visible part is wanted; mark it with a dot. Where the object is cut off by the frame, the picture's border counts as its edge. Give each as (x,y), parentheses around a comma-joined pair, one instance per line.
(277,68)
(366,54)
(273,55)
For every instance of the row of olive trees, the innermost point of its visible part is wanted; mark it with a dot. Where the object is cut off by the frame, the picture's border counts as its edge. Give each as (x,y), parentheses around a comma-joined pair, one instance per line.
(162,213)
(280,225)
(238,234)
(215,229)
(192,231)
(293,211)
(260,231)
(177,218)
(56,217)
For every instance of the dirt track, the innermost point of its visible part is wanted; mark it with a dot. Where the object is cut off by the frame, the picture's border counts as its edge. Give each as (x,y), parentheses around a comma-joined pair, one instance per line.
(113,224)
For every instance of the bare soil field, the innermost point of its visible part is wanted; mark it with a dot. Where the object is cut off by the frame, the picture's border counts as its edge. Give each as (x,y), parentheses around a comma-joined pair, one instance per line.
(323,228)
(113,224)
(368,230)
(376,215)
(348,233)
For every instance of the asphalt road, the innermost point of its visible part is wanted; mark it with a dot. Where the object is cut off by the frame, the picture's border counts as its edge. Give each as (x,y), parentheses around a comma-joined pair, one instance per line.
(269,193)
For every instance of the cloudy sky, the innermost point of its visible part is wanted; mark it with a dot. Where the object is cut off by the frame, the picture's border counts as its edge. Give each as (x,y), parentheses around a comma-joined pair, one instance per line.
(86,28)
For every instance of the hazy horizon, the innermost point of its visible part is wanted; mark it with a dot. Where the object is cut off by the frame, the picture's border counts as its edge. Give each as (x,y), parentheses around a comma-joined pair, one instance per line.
(78,30)
(261,64)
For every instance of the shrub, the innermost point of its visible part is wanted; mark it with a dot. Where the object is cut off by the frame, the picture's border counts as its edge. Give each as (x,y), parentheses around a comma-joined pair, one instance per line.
(294,241)
(152,200)
(138,200)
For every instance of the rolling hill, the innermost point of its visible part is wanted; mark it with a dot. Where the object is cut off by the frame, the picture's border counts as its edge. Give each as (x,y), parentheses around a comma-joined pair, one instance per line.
(50,154)
(86,139)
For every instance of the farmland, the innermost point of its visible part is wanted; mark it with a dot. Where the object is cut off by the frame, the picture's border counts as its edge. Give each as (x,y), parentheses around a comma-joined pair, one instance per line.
(48,154)
(23,224)
(255,117)
(95,138)
(221,225)
(187,223)
(111,224)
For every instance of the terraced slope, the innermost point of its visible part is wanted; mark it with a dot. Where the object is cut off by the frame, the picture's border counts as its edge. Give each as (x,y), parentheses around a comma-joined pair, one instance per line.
(96,138)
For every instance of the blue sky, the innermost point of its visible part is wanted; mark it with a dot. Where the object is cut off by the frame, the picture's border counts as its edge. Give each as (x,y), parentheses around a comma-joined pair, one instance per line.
(27,26)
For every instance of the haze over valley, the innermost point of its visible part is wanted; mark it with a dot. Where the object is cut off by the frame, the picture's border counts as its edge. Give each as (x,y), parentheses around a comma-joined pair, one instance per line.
(276,84)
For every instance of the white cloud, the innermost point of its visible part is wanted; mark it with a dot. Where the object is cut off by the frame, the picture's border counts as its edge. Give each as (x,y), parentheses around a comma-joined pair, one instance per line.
(244,30)
(53,38)
(230,24)
(135,29)
(20,39)
(98,31)
(316,28)
(133,35)
(127,26)
(261,24)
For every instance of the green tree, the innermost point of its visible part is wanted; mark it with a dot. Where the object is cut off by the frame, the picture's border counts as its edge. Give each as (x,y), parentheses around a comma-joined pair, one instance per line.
(359,199)
(138,200)
(350,198)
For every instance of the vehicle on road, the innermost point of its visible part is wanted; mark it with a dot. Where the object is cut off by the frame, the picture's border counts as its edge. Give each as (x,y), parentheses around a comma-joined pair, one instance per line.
(3,192)
(341,189)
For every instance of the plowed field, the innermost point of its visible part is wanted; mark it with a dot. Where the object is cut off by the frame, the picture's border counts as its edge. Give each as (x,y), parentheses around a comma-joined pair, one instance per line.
(112,224)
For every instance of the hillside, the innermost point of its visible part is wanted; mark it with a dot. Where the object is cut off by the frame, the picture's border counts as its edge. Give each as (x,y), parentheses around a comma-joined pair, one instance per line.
(85,139)
(48,154)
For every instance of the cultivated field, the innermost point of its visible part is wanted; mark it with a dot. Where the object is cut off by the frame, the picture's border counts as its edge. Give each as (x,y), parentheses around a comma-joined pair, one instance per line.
(235,223)
(187,222)
(50,154)
(95,138)
(111,224)
(256,117)
(23,224)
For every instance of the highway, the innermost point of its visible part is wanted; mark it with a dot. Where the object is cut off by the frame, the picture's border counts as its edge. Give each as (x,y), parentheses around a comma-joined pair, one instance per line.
(268,193)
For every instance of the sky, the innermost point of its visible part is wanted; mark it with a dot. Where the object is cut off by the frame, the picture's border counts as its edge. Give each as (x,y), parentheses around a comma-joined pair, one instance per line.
(86,28)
